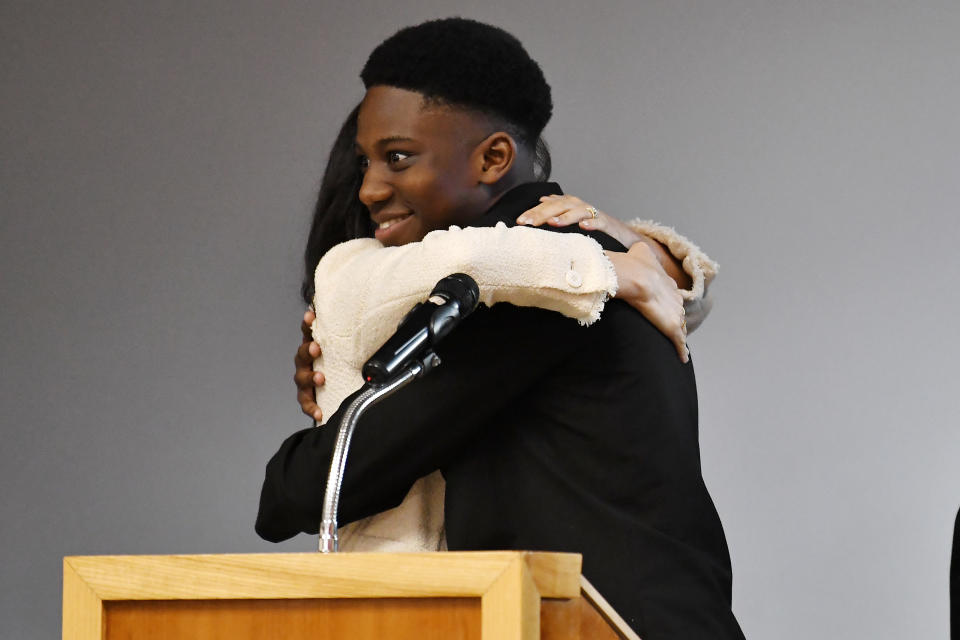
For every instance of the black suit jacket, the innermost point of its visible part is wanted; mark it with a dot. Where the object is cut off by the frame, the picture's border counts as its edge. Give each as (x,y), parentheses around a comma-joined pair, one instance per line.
(551,436)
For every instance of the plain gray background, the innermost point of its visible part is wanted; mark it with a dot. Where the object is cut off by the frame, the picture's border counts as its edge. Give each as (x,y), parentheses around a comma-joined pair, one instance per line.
(159,165)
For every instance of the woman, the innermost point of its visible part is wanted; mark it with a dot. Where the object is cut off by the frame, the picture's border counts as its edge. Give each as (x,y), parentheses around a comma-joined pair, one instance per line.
(520,265)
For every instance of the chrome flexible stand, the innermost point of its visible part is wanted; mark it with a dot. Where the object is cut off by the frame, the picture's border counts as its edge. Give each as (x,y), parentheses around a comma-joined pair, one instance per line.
(369,397)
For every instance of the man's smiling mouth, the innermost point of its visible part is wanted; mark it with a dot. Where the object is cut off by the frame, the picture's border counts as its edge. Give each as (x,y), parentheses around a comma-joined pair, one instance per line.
(386,224)
(389,225)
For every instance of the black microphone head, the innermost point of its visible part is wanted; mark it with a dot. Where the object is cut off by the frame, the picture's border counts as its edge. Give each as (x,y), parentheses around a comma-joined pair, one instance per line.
(461,288)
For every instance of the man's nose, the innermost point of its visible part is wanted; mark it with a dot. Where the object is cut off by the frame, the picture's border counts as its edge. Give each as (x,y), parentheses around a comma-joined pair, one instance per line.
(374,189)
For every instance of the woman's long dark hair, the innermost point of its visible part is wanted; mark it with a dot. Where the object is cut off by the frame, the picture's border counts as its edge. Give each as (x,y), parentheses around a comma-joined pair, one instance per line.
(340,216)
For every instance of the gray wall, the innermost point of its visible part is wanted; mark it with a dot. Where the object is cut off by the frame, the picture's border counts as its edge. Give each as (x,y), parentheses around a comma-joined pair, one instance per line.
(159,163)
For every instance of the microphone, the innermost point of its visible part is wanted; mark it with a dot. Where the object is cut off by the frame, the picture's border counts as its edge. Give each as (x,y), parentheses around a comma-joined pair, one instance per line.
(453,299)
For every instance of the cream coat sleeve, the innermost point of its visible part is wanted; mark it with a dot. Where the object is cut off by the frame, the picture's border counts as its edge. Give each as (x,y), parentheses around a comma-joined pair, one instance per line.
(363,289)
(701,269)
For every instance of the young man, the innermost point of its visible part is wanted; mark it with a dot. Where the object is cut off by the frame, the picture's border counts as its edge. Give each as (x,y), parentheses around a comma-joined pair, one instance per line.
(550,436)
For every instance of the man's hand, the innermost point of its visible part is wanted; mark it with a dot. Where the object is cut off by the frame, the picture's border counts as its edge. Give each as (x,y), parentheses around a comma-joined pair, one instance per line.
(307,380)
(644,284)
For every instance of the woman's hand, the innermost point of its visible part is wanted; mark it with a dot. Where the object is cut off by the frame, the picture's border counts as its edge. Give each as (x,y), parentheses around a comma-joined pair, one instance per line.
(561,211)
(307,380)
(643,283)
(648,275)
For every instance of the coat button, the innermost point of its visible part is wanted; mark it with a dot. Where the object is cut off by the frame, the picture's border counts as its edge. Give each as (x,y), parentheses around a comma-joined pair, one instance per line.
(574,279)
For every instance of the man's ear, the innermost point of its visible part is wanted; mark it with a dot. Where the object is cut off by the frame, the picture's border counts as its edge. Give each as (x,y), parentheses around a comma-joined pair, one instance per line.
(494,157)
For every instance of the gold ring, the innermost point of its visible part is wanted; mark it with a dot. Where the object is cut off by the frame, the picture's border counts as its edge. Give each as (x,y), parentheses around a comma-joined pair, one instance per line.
(593,212)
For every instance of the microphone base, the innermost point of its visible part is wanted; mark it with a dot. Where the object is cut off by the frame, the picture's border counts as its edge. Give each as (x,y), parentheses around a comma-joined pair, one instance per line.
(329,543)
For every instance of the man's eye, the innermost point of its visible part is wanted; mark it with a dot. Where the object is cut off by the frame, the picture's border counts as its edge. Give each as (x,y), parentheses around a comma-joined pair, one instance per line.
(394,157)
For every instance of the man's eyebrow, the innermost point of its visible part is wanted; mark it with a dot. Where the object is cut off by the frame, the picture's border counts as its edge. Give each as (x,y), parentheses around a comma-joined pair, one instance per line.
(382,142)
(385,141)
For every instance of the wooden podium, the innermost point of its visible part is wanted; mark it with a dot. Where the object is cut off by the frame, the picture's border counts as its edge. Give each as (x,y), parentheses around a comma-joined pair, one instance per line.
(510,595)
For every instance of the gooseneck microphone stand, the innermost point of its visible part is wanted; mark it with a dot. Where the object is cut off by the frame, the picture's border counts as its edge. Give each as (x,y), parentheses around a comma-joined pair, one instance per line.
(407,355)
(372,394)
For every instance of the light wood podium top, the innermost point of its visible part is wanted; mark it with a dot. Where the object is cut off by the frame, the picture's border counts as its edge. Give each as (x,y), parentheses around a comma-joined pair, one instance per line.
(485,595)
(316,575)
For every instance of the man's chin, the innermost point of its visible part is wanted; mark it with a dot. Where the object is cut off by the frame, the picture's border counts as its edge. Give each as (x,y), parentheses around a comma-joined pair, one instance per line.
(399,241)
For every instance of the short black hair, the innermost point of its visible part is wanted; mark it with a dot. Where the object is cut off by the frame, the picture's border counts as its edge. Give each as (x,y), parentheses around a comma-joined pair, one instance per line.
(465,63)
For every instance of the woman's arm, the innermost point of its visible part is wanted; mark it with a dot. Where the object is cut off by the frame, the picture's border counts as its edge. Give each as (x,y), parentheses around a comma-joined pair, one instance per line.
(683,261)
(695,263)
(534,265)
(363,289)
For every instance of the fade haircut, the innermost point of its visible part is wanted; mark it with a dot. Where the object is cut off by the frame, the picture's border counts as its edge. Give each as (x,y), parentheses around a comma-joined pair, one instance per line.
(469,64)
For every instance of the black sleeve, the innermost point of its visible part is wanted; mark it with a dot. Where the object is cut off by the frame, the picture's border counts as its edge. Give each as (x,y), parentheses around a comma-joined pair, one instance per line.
(487,363)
